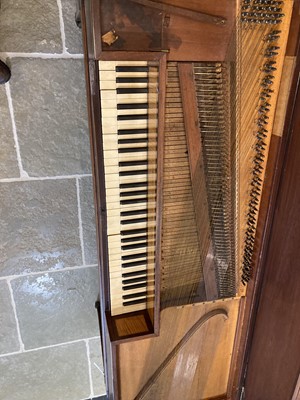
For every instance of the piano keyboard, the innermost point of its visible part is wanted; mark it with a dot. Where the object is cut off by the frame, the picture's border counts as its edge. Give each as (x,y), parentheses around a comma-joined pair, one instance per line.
(129,109)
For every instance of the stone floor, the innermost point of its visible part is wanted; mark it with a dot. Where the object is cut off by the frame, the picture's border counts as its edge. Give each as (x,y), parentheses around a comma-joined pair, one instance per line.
(49,343)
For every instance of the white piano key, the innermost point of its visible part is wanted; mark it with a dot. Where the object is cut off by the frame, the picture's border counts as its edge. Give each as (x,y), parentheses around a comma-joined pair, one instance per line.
(141,99)
(122,271)
(114,253)
(110,142)
(131,63)
(114,240)
(107,65)
(109,113)
(131,74)
(147,264)
(108,104)
(110,156)
(130,97)
(108,95)
(136,74)
(108,130)
(118,276)
(106,75)
(133,124)
(119,309)
(119,290)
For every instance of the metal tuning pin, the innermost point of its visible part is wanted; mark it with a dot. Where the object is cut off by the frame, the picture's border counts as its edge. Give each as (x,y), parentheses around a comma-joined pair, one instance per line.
(267,81)
(268,68)
(271,38)
(261,135)
(272,48)
(263,109)
(275,32)
(261,122)
(264,96)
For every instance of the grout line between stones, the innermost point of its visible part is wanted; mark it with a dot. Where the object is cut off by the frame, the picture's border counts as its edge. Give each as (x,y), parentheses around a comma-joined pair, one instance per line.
(80,222)
(23,174)
(43,178)
(16,316)
(11,277)
(89,367)
(45,56)
(48,347)
(62,25)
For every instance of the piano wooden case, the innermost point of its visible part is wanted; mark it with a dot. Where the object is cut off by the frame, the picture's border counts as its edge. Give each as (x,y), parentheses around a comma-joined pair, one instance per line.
(181,102)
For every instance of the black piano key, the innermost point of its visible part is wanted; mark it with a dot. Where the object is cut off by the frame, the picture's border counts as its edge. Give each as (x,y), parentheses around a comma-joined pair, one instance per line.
(132,131)
(134,302)
(133,212)
(134,246)
(134,140)
(132,69)
(131,117)
(133,221)
(134,256)
(134,264)
(134,239)
(133,150)
(133,106)
(132,80)
(134,280)
(135,273)
(137,286)
(134,295)
(133,231)
(133,201)
(132,163)
(134,193)
(132,185)
(133,173)
(132,90)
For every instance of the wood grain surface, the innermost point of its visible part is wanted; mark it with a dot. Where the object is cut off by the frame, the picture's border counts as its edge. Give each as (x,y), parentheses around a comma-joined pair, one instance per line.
(274,356)
(198,371)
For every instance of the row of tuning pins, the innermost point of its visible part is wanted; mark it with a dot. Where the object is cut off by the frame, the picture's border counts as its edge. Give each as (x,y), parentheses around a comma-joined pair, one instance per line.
(262,12)
(268,70)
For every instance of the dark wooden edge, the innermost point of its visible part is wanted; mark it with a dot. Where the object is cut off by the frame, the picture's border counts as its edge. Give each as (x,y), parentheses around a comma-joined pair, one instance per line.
(236,347)
(245,319)
(116,382)
(159,192)
(131,56)
(93,107)
(274,170)
(96,28)
(194,145)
